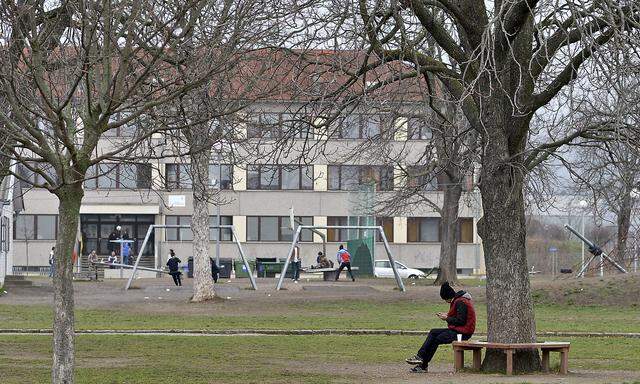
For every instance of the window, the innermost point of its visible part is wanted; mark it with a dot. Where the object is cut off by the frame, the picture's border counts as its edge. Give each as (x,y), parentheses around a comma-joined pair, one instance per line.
(125,130)
(185,234)
(342,235)
(119,176)
(279,177)
(178,176)
(423,229)
(418,129)
(4,234)
(225,233)
(226,180)
(276,228)
(263,125)
(372,126)
(32,178)
(420,177)
(350,177)
(350,127)
(383,264)
(337,235)
(465,230)
(296,126)
(387,226)
(359,126)
(35,227)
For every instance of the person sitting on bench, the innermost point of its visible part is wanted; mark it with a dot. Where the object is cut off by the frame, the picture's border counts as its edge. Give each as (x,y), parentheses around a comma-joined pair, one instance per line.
(323,262)
(461,319)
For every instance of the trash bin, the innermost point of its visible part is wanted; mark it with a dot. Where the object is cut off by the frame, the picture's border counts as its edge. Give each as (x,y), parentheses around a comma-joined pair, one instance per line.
(241,270)
(225,268)
(190,267)
(264,270)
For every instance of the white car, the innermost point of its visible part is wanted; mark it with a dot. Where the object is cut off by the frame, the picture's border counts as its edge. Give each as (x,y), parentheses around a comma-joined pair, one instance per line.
(383,269)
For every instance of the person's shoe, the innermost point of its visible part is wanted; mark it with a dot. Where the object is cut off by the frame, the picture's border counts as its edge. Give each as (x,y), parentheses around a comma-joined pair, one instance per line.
(414,360)
(295,281)
(419,369)
(353,280)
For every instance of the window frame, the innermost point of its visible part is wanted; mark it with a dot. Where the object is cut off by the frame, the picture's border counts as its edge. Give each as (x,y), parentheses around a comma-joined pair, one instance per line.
(93,183)
(280,225)
(421,221)
(179,231)
(422,135)
(362,170)
(226,184)
(257,168)
(34,218)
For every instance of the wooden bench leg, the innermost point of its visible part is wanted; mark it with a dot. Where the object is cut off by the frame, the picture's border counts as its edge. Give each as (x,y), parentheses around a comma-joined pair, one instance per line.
(564,361)
(545,360)
(477,359)
(458,359)
(509,361)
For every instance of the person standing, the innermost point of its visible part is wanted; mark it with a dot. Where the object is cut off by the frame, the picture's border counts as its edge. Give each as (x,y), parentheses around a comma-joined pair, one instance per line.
(52,262)
(126,251)
(461,319)
(174,267)
(93,268)
(111,246)
(344,258)
(215,270)
(296,262)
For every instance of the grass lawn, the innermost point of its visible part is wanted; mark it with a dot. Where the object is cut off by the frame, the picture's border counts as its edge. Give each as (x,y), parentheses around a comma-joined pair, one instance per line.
(317,315)
(257,359)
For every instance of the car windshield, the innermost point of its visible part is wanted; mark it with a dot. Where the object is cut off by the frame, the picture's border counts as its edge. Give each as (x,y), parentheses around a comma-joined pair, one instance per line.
(401,266)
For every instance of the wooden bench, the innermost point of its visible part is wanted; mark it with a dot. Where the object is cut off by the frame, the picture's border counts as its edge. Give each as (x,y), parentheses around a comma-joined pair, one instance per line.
(476,346)
(328,274)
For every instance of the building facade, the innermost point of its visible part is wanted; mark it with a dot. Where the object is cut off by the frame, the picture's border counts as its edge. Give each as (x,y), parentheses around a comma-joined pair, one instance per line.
(257,199)
(260,180)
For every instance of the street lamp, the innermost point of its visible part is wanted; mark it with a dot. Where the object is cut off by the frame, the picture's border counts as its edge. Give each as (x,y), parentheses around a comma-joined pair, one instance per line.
(583,204)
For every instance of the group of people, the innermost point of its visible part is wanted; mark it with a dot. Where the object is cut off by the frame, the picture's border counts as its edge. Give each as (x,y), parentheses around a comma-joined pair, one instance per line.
(343,257)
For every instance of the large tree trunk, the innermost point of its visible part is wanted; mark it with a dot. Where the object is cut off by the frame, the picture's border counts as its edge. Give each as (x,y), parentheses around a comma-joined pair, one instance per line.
(203,288)
(70,198)
(449,227)
(510,316)
(624,223)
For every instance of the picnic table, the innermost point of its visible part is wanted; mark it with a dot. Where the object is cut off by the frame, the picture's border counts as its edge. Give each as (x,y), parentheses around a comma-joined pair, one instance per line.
(476,346)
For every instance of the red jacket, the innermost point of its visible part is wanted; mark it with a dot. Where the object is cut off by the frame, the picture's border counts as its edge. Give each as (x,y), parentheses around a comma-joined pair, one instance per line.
(458,321)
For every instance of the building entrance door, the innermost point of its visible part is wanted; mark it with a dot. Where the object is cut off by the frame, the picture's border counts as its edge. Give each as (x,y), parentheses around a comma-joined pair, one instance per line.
(97,229)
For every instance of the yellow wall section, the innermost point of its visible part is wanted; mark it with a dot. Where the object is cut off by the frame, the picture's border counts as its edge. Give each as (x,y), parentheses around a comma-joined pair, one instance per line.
(320,180)
(400,230)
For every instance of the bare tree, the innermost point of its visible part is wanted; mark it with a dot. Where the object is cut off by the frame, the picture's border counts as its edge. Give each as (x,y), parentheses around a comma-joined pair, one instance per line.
(610,169)
(504,61)
(244,74)
(72,74)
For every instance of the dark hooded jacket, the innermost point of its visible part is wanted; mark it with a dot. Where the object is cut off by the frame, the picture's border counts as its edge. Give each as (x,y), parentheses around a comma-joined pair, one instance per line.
(462,315)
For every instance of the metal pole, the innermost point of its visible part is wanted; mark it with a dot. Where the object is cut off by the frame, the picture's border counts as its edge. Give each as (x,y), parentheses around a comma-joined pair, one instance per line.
(393,262)
(218,209)
(286,262)
(244,259)
(601,266)
(582,243)
(135,266)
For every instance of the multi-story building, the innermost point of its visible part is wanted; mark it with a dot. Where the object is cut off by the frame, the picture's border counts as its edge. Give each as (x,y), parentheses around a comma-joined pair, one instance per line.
(10,204)
(324,188)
